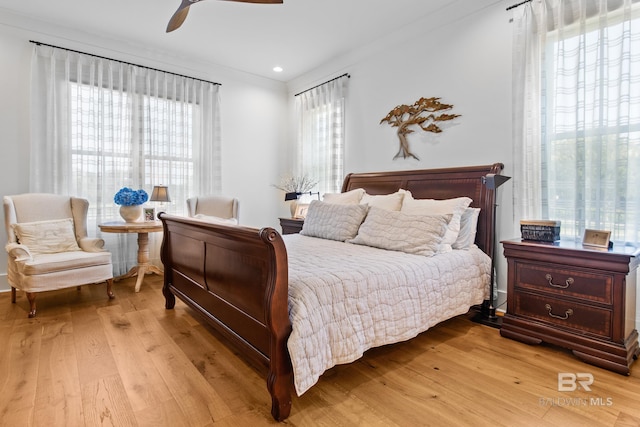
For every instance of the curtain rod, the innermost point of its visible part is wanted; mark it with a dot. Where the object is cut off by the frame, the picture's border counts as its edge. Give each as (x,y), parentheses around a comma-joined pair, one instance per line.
(519,4)
(122,62)
(328,81)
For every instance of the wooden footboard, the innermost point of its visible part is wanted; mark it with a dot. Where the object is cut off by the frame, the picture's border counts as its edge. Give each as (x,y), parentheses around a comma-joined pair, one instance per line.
(237,279)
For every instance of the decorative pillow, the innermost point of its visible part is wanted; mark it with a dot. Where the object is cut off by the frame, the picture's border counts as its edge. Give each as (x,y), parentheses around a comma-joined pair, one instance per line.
(352,197)
(390,202)
(454,207)
(396,231)
(47,237)
(468,229)
(217,220)
(333,221)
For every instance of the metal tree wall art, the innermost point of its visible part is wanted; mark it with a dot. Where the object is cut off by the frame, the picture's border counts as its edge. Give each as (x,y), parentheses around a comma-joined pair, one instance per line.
(425,113)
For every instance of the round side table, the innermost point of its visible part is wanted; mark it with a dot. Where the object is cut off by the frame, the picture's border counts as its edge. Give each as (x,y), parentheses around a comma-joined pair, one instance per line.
(142,229)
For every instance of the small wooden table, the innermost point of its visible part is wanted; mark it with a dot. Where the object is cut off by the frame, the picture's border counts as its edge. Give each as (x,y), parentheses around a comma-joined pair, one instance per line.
(143,229)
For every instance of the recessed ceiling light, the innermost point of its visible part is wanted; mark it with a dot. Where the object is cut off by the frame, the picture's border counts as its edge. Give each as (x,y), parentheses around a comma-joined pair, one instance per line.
(277,69)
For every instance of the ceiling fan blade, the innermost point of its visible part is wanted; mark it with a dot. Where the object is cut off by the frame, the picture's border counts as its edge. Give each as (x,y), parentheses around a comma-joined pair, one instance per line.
(180,15)
(177,19)
(183,10)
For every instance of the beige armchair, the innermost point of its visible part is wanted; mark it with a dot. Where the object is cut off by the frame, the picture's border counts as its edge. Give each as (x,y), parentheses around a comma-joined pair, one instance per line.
(48,246)
(211,207)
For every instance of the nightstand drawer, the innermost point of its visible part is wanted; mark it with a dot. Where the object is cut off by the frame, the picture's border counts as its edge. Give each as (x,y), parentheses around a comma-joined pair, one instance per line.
(565,281)
(567,314)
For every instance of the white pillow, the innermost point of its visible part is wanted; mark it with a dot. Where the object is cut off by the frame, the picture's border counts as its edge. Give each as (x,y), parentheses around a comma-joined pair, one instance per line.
(352,197)
(47,237)
(396,231)
(217,219)
(333,221)
(468,229)
(455,207)
(390,202)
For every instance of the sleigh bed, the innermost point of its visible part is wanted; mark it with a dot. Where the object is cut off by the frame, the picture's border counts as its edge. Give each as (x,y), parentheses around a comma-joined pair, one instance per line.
(296,305)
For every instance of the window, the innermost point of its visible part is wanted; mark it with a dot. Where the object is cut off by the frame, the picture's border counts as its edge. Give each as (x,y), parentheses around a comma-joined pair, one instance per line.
(99,125)
(320,113)
(591,131)
(102,147)
(577,116)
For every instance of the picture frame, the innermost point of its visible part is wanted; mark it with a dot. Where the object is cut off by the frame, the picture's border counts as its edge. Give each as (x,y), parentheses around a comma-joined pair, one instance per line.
(301,210)
(596,239)
(149,214)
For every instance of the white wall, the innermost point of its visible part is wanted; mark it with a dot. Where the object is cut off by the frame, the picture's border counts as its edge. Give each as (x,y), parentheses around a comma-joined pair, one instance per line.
(14,122)
(461,54)
(465,61)
(254,118)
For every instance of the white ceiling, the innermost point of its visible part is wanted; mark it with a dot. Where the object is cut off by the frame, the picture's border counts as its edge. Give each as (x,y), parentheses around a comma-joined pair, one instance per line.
(298,35)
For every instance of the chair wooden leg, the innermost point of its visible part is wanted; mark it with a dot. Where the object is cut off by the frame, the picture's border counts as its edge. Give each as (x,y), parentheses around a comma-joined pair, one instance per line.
(13,295)
(109,291)
(31,296)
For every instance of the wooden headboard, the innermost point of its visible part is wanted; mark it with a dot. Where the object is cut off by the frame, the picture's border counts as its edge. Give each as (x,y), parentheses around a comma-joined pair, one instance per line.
(440,184)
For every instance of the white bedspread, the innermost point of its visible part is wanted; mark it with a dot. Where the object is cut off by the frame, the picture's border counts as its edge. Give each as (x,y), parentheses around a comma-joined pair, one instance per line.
(345,299)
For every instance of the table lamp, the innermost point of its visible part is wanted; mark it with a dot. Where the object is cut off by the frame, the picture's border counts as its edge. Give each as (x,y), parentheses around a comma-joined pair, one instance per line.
(160,194)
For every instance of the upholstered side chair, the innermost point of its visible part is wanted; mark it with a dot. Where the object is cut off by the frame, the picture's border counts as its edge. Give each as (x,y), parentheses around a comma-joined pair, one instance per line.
(49,248)
(210,207)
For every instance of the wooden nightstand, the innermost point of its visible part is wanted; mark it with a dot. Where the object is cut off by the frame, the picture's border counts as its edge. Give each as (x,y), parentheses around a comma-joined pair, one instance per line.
(580,299)
(291,225)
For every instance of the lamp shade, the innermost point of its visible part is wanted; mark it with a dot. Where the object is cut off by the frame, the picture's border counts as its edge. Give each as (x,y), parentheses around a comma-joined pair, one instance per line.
(295,196)
(160,193)
(493,181)
(291,196)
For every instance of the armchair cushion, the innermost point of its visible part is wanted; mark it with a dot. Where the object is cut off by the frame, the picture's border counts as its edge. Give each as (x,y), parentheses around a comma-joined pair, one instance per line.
(63,261)
(47,237)
(216,219)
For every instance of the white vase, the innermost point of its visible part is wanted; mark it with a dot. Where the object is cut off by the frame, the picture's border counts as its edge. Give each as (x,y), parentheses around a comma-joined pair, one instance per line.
(293,204)
(131,213)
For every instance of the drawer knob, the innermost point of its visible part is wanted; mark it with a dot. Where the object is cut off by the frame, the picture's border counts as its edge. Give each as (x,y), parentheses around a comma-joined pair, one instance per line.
(567,282)
(567,313)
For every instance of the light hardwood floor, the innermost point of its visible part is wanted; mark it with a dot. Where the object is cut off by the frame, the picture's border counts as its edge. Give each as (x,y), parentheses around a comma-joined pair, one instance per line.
(88,361)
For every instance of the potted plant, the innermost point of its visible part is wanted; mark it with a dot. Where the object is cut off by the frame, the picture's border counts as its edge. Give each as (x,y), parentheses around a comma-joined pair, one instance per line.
(130,202)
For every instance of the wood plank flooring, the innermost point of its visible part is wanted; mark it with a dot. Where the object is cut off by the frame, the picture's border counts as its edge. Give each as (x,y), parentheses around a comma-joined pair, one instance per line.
(88,361)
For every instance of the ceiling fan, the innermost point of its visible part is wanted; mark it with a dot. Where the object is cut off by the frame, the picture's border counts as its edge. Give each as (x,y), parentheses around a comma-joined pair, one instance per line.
(181,14)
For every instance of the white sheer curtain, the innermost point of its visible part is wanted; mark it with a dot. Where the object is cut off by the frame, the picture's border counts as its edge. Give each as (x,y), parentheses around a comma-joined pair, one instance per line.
(98,125)
(320,120)
(577,115)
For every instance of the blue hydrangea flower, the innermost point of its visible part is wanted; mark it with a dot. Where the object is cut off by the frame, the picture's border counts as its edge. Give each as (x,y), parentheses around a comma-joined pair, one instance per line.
(129,197)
